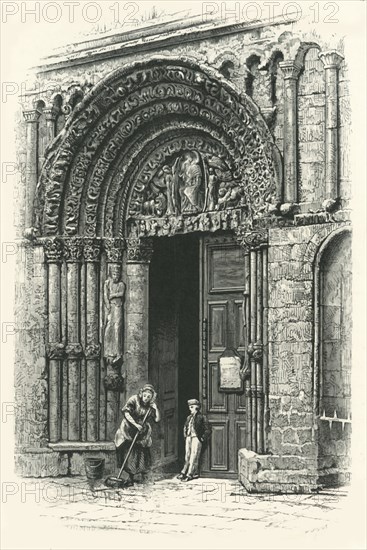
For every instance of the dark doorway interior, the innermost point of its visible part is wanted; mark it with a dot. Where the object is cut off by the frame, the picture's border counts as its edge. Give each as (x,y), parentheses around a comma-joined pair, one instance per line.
(174,295)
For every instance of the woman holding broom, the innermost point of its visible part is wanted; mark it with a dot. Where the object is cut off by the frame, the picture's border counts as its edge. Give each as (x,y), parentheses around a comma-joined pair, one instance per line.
(137,408)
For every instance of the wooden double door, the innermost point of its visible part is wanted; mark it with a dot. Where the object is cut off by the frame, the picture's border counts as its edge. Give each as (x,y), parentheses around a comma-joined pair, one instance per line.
(196,312)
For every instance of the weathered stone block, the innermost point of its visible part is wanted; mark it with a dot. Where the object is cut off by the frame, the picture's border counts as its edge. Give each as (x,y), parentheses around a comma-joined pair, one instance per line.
(290,331)
(279,253)
(288,236)
(286,292)
(41,464)
(290,436)
(306,450)
(290,314)
(301,420)
(259,473)
(280,421)
(275,440)
(304,435)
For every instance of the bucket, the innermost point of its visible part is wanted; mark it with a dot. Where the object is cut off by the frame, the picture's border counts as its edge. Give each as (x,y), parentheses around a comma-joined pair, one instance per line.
(94,467)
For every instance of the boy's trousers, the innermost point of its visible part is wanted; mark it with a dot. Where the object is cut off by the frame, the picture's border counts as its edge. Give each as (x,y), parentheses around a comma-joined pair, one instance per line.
(192,456)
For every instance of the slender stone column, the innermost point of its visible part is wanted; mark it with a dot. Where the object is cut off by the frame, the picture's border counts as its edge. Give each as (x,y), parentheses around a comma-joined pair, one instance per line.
(50,116)
(256,328)
(331,61)
(265,368)
(113,382)
(253,321)
(74,350)
(92,249)
(31,117)
(247,336)
(139,253)
(291,70)
(55,347)
(258,356)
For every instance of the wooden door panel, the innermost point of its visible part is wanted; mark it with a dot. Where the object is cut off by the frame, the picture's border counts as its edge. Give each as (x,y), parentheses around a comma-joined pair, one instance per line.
(225,268)
(170,432)
(222,286)
(219,446)
(240,403)
(239,340)
(218,315)
(217,401)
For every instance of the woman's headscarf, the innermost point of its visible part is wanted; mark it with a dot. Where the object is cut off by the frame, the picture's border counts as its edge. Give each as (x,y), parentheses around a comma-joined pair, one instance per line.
(150,388)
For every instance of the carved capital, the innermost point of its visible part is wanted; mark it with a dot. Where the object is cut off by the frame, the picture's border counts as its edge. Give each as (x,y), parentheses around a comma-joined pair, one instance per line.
(331,59)
(290,69)
(253,240)
(50,113)
(32,115)
(55,350)
(53,250)
(255,351)
(114,249)
(93,351)
(73,249)
(92,250)
(74,350)
(139,250)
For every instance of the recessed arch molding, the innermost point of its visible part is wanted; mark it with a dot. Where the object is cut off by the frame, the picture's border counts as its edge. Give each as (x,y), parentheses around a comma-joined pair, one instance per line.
(149,127)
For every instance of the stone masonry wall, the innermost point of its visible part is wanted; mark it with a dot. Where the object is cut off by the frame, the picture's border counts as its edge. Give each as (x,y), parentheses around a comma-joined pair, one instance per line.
(291,338)
(30,380)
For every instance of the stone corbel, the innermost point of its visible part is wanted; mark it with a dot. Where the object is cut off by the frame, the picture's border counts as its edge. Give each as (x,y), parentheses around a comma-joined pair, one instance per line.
(253,240)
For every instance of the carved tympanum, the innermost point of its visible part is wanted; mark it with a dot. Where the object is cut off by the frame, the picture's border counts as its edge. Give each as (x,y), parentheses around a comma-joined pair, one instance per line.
(191,182)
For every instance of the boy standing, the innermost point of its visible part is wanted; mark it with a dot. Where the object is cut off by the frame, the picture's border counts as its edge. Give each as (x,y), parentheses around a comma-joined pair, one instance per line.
(196,432)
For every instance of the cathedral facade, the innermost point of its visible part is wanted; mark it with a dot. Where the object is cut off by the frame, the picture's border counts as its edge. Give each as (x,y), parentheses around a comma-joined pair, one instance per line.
(185,221)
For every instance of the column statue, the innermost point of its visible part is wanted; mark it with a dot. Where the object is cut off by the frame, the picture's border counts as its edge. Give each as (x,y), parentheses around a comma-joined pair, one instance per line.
(113,297)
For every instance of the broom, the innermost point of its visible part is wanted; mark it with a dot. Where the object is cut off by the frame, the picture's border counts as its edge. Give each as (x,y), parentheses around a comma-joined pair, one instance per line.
(118,481)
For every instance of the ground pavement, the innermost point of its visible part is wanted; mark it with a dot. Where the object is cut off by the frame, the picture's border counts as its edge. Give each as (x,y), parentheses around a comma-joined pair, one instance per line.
(204,510)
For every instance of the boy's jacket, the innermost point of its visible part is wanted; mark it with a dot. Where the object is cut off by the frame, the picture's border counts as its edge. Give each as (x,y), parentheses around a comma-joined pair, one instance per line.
(201,426)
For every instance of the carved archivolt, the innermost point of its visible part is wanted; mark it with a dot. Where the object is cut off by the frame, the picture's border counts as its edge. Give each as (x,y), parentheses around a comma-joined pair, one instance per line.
(165,137)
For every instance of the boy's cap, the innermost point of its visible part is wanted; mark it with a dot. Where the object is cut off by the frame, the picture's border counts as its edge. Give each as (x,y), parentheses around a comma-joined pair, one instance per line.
(193,402)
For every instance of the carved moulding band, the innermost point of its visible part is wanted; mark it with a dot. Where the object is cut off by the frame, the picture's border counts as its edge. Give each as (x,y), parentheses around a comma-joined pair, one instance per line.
(93,351)
(54,250)
(139,250)
(55,350)
(92,250)
(255,351)
(74,350)
(114,249)
(145,85)
(73,249)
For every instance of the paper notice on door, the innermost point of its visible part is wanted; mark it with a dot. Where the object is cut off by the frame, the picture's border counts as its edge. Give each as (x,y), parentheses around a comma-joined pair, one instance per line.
(229,373)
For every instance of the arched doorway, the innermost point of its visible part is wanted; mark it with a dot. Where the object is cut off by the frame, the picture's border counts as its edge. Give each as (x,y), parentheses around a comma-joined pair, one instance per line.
(159,149)
(335,359)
